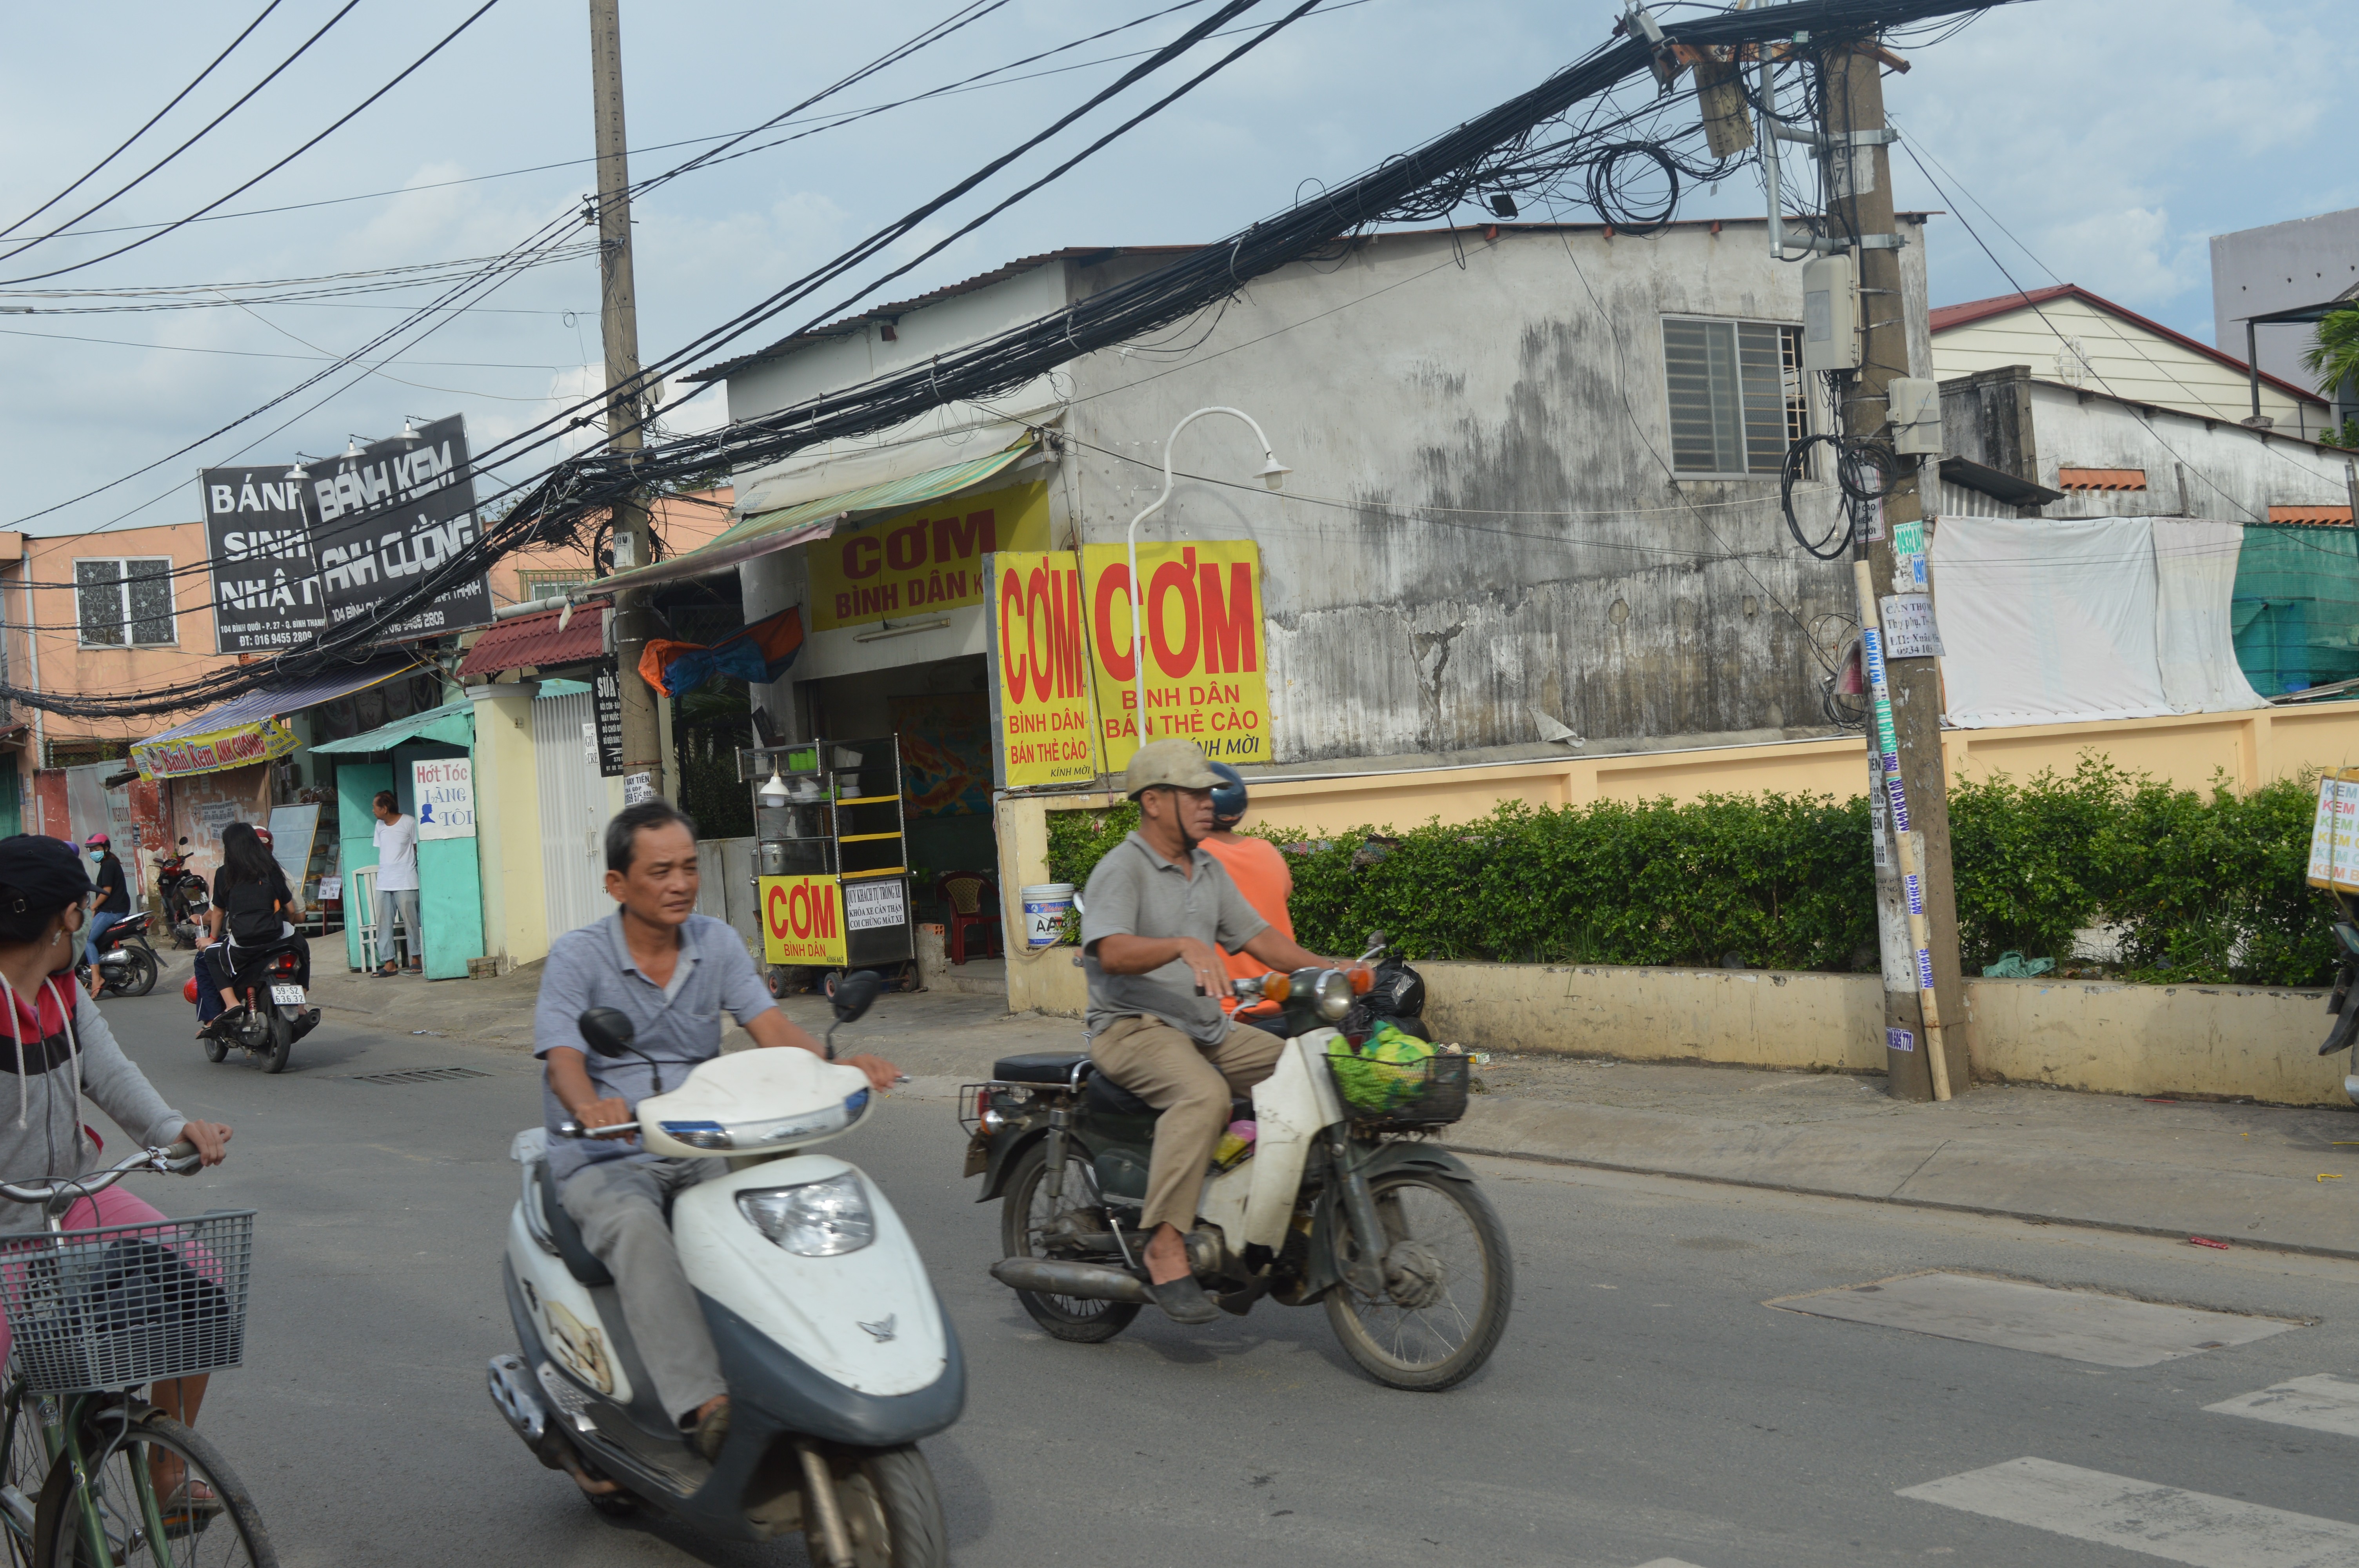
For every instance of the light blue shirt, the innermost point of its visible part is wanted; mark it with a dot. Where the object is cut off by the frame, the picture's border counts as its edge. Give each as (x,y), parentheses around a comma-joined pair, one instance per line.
(676,1024)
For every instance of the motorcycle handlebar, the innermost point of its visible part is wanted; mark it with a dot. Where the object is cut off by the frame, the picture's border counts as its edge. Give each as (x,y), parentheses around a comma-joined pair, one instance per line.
(613,1130)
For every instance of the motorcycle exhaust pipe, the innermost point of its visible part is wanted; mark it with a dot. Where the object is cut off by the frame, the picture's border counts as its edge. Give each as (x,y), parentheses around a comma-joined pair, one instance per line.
(511,1389)
(1083,1282)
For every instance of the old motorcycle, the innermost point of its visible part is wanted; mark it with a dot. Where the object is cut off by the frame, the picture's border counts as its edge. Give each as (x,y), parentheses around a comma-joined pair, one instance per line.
(1333,1201)
(833,1343)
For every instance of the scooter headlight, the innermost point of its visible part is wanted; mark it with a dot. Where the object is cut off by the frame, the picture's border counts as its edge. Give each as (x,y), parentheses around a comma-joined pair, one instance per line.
(770,1134)
(1332,993)
(814,1220)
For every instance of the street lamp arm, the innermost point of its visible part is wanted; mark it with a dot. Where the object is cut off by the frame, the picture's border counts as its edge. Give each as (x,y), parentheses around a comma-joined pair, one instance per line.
(1273,473)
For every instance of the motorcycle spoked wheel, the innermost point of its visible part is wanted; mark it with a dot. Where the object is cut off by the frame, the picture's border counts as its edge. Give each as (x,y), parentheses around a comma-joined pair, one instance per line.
(1025,1211)
(1451,1284)
(141,977)
(892,1509)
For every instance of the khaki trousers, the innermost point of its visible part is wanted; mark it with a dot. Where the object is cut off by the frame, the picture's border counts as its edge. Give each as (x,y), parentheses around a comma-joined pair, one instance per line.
(1191,1084)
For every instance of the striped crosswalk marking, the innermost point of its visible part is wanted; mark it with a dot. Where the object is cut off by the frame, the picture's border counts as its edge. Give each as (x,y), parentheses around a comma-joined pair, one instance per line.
(2320,1403)
(2179,1526)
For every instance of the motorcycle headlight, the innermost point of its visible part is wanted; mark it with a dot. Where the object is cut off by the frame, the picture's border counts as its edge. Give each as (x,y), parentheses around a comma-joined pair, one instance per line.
(1332,993)
(755,1135)
(814,1220)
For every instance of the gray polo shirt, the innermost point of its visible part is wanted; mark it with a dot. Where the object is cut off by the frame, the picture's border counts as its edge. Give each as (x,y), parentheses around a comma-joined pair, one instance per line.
(677,1024)
(1135,891)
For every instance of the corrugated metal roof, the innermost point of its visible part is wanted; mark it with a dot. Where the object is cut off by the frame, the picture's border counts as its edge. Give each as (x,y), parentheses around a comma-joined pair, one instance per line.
(789,526)
(290,698)
(453,723)
(1973,310)
(538,640)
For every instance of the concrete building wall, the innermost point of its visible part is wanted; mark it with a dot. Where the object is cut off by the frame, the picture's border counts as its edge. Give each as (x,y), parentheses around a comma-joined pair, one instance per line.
(1483,524)
(2071,341)
(2304,261)
(2194,467)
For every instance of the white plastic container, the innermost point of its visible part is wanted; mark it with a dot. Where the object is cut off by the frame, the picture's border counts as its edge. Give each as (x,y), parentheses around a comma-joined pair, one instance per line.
(1045,906)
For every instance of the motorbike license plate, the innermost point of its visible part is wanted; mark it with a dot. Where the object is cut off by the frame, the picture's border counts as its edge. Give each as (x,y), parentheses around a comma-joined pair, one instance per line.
(290,995)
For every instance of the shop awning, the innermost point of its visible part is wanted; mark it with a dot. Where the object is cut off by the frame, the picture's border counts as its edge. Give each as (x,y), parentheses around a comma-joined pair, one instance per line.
(453,723)
(539,641)
(251,729)
(764,531)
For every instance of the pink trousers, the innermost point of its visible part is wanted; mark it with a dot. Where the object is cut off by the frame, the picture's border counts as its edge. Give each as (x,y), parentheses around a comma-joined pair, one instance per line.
(114,1207)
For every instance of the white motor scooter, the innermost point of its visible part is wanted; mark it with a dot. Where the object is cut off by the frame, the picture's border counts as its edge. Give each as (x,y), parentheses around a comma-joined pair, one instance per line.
(833,1343)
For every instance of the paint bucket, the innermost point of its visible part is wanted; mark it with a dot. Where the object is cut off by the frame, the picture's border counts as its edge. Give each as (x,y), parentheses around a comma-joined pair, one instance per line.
(1045,905)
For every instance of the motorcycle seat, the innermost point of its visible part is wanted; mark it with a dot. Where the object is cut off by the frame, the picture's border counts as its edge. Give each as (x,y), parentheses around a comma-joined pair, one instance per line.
(1038,1067)
(1103,1093)
(580,1262)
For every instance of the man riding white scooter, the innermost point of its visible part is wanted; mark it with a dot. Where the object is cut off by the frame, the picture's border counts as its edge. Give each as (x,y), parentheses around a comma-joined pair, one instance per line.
(672,972)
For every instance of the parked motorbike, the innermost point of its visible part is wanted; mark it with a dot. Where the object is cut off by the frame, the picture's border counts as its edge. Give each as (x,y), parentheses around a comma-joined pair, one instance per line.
(1330,1203)
(269,986)
(185,899)
(127,966)
(835,1347)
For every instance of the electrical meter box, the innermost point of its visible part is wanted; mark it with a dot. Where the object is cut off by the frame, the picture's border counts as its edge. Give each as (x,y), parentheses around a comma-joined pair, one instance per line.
(1830,336)
(1914,407)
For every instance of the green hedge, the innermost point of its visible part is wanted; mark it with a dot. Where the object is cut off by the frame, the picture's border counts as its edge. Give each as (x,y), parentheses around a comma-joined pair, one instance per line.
(2203,888)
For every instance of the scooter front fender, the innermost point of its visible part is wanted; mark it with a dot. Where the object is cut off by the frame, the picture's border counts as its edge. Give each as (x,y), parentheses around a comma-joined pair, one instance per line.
(1329,1221)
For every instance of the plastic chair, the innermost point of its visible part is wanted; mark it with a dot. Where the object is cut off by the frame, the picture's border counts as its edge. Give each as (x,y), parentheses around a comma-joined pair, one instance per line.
(972,900)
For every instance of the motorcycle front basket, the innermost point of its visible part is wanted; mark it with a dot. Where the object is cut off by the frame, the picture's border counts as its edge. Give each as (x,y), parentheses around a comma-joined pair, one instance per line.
(1401,1095)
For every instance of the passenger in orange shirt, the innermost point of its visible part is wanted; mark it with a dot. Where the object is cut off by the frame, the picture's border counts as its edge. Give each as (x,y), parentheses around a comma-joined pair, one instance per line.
(1261,874)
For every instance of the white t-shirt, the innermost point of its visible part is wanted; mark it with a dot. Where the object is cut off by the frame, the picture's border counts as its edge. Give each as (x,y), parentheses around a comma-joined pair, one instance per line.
(396,855)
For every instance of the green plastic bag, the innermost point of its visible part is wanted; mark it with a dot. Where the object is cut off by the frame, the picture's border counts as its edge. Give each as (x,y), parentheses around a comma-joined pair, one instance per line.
(1386,1073)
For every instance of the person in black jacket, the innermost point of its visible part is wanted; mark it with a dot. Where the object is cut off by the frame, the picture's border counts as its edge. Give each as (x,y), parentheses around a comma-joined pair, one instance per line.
(113,901)
(252,907)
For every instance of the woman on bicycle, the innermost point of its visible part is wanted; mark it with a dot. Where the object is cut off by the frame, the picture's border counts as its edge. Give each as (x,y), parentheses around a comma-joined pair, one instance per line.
(254,905)
(62,1052)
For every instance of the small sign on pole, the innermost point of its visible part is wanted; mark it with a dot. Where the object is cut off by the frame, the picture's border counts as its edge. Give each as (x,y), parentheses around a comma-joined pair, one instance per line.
(638,787)
(1909,629)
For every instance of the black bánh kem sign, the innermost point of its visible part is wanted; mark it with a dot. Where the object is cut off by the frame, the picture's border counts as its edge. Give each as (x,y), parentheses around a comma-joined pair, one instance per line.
(392,514)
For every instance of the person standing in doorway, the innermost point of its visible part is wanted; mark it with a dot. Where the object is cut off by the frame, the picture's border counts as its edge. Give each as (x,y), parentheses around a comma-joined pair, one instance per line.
(396,882)
(113,901)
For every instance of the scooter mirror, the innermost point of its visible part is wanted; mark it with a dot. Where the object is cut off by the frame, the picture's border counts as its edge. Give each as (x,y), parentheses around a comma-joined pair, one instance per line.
(184,837)
(607,1031)
(1378,939)
(857,994)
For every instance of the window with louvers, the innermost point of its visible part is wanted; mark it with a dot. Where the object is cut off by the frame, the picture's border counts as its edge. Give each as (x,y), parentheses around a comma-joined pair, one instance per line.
(124,603)
(1737,396)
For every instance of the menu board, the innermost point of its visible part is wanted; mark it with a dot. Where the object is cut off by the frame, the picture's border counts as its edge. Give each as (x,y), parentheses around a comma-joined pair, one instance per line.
(2334,833)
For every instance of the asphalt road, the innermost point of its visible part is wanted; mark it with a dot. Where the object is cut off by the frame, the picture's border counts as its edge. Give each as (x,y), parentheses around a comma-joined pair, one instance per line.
(1645,1406)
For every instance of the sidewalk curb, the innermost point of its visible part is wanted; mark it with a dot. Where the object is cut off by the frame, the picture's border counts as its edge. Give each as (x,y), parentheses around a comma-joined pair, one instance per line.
(2119,1226)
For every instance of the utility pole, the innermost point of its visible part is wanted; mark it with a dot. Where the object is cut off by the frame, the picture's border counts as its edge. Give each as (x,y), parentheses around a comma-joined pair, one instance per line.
(618,324)
(1924,1027)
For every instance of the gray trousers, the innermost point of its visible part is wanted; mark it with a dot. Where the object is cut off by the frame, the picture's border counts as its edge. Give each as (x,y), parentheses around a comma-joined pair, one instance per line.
(622,1207)
(396,904)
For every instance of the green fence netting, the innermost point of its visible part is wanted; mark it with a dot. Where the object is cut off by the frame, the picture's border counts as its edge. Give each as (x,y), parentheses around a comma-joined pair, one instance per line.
(2297,606)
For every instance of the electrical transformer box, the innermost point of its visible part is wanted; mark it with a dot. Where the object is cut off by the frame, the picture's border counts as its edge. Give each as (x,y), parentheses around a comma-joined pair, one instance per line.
(1914,407)
(1831,335)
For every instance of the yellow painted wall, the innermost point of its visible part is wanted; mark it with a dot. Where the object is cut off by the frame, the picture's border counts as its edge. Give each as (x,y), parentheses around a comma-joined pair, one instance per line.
(507,838)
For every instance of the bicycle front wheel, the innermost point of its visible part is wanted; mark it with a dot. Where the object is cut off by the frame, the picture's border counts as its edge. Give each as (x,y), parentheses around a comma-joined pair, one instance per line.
(159,1495)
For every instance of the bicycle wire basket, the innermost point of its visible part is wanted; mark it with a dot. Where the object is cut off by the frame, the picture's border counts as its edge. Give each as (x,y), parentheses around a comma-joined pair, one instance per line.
(1430,1092)
(107,1308)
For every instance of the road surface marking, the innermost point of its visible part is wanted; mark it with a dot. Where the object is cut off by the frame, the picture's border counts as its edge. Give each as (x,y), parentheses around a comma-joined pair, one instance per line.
(1668,1563)
(2082,1325)
(2180,1526)
(2320,1403)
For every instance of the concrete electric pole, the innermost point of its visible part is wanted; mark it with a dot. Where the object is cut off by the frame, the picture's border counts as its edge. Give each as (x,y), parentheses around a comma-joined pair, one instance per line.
(1924,1026)
(618,320)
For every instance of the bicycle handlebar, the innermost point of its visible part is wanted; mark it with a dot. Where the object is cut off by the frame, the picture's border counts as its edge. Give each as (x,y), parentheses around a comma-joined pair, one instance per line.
(179,1160)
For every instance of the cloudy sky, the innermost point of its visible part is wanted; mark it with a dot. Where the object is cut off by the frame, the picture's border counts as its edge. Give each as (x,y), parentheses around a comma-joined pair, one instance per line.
(2108,153)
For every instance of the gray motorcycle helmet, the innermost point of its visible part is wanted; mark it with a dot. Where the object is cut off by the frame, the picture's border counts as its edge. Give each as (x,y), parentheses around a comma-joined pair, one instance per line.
(1228,797)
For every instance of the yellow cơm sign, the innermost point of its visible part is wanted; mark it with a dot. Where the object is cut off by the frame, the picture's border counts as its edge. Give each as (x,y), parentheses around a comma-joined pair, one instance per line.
(928,559)
(1207,660)
(1041,670)
(802,920)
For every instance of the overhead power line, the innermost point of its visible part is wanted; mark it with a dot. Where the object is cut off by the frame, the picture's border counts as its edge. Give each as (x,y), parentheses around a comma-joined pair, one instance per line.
(87,175)
(563,500)
(337,124)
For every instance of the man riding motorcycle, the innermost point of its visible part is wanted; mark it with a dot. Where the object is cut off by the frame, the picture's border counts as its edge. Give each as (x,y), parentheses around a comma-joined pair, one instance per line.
(1159,911)
(672,972)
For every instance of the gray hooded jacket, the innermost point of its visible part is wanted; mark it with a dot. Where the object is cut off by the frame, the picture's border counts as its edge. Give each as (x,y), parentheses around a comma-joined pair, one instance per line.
(41,1122)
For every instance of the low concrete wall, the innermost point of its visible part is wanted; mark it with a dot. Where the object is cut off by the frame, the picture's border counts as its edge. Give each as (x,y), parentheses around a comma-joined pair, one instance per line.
(2251,1042)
